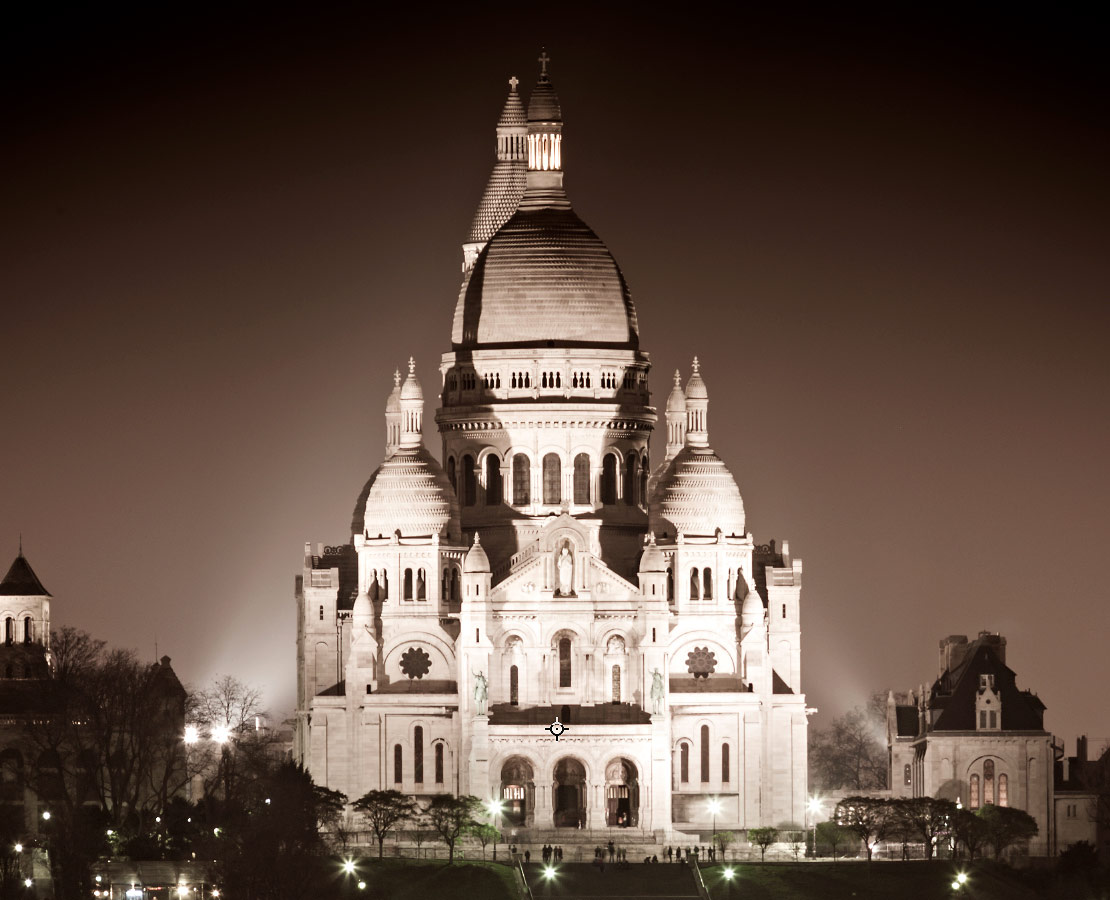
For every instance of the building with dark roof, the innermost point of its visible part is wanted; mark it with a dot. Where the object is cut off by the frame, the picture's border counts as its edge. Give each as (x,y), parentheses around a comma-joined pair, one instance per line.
(974,736)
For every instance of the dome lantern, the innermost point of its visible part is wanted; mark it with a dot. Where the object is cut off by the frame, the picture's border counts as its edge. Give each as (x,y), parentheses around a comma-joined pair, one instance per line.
(545,125)
(697,408)
(676,417)
(412,410)
(393,416)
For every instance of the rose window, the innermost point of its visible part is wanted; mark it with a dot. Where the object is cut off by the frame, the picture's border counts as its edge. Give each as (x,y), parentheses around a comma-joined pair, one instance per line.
(700,662)
(415,662)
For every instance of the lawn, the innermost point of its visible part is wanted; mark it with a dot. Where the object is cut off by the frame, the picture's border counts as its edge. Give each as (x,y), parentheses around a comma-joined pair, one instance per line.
(905,880)
(413,879)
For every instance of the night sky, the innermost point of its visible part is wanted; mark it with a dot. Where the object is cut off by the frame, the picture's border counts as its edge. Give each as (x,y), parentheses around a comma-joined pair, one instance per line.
(885,238)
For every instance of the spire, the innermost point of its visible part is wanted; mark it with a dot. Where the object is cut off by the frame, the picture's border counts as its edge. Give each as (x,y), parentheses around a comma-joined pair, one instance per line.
(512,127)
(393,416)
(412,410)
(545,135)
(697,406)
(676,417)
(21,580)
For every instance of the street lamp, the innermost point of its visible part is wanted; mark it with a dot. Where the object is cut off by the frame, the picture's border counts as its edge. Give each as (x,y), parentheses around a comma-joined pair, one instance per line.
(728,873)
(714,808)
(814,807)
(495,807)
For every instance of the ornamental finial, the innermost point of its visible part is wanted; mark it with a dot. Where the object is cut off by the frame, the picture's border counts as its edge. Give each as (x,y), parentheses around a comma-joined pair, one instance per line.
(412,365)
(396,378)
(677,378)
(513,82)
(477,542)
(695,365)
(543,61)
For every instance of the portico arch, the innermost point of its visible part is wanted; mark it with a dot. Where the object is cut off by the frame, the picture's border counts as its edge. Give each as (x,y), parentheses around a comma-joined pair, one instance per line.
(518,791)
(569,793)
(622,794)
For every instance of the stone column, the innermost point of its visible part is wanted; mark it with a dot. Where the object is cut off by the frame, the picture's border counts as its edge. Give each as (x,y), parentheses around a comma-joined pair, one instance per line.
(479,758)
(543,812)
(658,815)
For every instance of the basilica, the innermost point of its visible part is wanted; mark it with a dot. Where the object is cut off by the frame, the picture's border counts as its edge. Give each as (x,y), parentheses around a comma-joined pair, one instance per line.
(546,569)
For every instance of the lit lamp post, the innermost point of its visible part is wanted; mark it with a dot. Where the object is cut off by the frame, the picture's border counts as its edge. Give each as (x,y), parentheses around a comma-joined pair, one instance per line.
(728,873)
(814,808)
(496,807)
(714,808)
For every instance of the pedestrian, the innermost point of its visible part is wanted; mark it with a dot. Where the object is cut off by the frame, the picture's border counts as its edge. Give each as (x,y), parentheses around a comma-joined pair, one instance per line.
(670,853)
(611,850)
(559,854)
(527,855)
(655,859)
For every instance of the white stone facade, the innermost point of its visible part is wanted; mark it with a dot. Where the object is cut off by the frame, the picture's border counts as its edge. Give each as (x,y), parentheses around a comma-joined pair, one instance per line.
(546,569)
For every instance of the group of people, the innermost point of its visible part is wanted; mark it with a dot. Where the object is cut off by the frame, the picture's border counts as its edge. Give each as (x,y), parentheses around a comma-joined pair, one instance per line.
(617,855)
(683,854)
(552,854)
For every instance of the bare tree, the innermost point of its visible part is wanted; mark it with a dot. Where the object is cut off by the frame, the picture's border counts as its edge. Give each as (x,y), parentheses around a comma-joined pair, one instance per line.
(850,754)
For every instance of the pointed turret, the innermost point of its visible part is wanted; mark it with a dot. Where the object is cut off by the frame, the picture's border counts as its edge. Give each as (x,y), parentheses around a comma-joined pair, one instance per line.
(697,407)
(393,416)
(676,417)
(412,410)
(545,144)
(21,580)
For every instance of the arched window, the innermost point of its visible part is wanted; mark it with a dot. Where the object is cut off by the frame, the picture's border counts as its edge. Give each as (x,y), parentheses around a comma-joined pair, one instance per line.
(552,480)
(670,584)
(1003,790)
(468,483)
(407,594)
(421,585)
(724,764)
(455,589)
(704,752)
(631,477)
(398,757)
(451,475)
(493,480)
(616,684)
(643,482)
(695,585)
(973,793)
(522,480)
(988,782)
(684,763)
(564,662)
(514,686)
(445,586)
(28,630)
(582,478)
(609,479)
(707,584)
(418,755)
(9,630)
(439,763)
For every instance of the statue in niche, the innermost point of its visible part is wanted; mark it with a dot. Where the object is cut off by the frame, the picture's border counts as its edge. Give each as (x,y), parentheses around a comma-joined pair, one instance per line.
(481,692)
(564,565)
(656,693)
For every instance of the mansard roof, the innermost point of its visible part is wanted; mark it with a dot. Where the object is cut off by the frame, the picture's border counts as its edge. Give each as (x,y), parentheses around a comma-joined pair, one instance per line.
(954,694)
(21,581)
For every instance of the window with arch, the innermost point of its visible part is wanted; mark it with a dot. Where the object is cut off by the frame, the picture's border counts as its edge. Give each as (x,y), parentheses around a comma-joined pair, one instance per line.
(705,753)
(445,586)
(973,791)
(439,763)
(707,584)
(644,482)
(724,764)
(564,662)
(695,584)
(616,684)
(28,630)
(398,758)
(418,754)
(988,782)
(552,480)
(9,630)
(451,475)
(609,479)
(631,477)
(469,486)
(407,588)
(582,478)
(421,585)
(522,480)
(514,686)
(670,584)
(493,480)
(1003,790)
(684,763)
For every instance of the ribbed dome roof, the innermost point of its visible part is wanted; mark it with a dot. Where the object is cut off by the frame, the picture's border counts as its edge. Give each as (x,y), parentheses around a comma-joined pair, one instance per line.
(696,495)
(543,104)
(499,202)
(409,492)
(513,113)
(695,387)
(545,276)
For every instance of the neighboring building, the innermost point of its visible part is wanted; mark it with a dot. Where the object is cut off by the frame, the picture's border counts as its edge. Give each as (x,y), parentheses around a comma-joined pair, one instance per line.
(547,568)
(1080,786)
(974,737)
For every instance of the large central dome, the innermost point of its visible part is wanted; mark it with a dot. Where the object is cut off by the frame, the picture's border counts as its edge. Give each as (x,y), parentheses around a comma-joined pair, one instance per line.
(545,276)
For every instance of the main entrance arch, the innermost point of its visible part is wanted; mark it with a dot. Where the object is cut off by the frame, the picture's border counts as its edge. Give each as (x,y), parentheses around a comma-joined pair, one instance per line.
(622,794)
(569,793)
(518,791)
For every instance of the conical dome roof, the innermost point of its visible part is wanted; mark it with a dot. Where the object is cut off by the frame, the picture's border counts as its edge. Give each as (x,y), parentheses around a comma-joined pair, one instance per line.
(21,580)
(695,495)
(676,399)
(409,493)
(476,560)
(653,559)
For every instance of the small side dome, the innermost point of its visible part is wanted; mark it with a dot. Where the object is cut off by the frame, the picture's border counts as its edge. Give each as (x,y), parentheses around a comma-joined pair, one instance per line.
(411,389)
(408,493)
(676,399)
(695,495)
(393,402)
(653,561)
(476,561)
(362,608)
(695,387)
(752,608)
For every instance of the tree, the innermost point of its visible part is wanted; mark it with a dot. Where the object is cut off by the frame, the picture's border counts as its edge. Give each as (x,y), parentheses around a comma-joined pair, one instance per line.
(232,749)
(926,818)
(484,834)
(1006,826)
(795,836)
(850,754)
(724,840)
(833,835)
(763,838)
(970,830)
(450,816)
(384,810)
(868,818)
(11,860)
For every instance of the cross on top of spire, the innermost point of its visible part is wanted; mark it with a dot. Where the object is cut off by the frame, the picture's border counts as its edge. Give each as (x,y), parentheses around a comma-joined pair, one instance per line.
(513,82)
(543,60)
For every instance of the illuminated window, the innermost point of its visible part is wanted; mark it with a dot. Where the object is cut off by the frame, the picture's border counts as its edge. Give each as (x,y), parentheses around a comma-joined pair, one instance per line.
(469,487)
(705,753)
(973,794)
(418,755)
(397,759)
(684,763)
(582,478)
(1003,790)
(564,662)
(552,478)
(609,479)
(988,782)
(493,480)
(522,480)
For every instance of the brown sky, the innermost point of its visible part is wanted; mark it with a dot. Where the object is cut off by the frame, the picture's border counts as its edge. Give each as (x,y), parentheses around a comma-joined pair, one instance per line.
(885,238)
